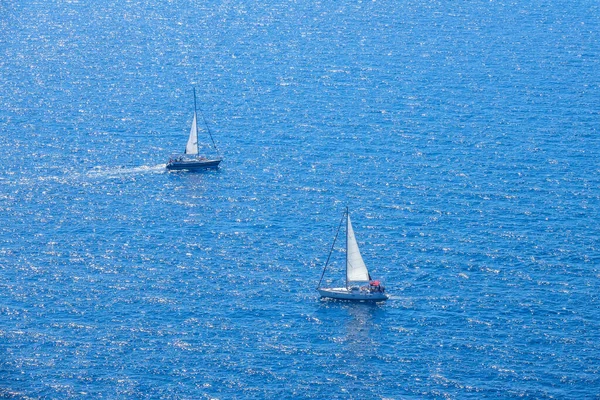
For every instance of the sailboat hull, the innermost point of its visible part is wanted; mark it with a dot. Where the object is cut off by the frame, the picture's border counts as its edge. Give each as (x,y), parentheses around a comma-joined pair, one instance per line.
(356,294)
(193,165)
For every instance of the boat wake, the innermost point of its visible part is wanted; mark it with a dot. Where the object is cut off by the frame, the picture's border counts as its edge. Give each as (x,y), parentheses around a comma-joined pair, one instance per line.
(99,172)
(395,297)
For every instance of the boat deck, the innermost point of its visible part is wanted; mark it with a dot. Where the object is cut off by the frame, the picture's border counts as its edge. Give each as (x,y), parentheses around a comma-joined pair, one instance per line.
(191,165)
(349,294)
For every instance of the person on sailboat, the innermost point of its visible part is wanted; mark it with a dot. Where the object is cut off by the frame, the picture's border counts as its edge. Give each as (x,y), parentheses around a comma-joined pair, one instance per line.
(376,286)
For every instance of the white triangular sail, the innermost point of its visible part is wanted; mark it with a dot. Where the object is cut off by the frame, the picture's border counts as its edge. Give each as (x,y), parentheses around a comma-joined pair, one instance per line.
(356,270)
(192,143)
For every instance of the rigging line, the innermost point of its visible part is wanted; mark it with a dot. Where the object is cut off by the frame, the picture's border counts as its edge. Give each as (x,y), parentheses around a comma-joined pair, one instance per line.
(330,251)
(205,124)
(211,136)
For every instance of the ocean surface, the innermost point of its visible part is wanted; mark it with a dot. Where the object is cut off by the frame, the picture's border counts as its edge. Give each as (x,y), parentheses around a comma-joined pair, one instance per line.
(464,136)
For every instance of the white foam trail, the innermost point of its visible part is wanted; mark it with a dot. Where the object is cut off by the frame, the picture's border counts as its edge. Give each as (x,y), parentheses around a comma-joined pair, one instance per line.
(395,297)
(117,172)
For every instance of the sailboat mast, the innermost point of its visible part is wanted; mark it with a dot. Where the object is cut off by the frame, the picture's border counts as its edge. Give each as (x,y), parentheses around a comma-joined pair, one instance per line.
(347,247)
(194,99)
(196,113)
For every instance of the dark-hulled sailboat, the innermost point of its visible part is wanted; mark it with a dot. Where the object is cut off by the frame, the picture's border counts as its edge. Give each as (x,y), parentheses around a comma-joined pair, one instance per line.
(190,160)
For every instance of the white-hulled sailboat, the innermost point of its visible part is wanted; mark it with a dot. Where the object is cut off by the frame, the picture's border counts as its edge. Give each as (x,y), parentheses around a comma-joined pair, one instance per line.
(190,160)
(359,285)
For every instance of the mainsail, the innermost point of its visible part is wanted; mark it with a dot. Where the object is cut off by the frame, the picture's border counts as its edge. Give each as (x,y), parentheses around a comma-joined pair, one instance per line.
(192,143)
(356,270)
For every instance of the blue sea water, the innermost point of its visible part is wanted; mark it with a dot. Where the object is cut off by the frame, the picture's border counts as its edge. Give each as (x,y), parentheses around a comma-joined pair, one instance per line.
(463,136)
